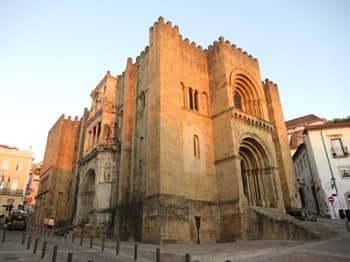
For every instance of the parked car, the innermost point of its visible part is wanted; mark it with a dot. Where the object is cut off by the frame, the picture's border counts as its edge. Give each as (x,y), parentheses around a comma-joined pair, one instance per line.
(302,214)
(16,220)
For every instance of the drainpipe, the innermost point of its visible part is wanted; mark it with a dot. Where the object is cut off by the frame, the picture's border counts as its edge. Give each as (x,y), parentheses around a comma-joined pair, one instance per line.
(331,171)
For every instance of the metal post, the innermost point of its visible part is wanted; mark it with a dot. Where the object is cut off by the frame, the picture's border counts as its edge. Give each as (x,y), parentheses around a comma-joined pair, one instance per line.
(54,254)
(103,244)
(158,255)
(117,248)
(81,237)
(135,252)
(44,249)
(23,238)
(70,257)
(35,245)
(187,258)
(3,235)
(29,242)
(91,242)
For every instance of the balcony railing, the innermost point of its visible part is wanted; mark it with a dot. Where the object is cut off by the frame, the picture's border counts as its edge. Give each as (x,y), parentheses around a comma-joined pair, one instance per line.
(344,152)
(9,191)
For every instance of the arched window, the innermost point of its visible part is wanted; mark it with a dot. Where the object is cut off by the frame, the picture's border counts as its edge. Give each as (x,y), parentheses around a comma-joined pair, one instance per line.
(237,100)
(195,100)
(190,97)
(196,149)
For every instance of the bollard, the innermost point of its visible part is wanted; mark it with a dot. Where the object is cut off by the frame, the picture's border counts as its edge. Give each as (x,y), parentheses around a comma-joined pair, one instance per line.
(158,255)
(117,248)
(35,245)
(3,235)
(135,252)
(29,242)
(70,257)
(81,237)
(187,258)
(91,242)
(54,254)
(103,244)
(23,238)
(72,238)
(44,249)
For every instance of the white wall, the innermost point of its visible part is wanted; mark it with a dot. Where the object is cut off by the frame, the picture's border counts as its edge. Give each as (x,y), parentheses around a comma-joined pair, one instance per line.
(318,149)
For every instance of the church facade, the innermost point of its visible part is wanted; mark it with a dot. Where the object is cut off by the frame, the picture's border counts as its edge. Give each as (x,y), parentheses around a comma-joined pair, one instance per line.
(185,136)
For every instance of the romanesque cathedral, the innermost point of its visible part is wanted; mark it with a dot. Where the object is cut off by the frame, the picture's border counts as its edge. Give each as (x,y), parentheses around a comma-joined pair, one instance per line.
(184,138)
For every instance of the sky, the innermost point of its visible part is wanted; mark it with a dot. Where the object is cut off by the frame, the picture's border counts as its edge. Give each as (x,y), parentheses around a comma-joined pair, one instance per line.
(54,53)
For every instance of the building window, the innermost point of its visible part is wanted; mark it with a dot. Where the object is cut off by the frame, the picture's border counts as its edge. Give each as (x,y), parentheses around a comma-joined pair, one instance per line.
(237,101)
(337,148)
(344,171)
(5,164)
(196,149)
(19,166)
(190,96)
(14,185)
(193,99)
(304,159)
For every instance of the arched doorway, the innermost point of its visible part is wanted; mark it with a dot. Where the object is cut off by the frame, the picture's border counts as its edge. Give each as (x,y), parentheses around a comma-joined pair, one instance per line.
(256,172)
(87,195)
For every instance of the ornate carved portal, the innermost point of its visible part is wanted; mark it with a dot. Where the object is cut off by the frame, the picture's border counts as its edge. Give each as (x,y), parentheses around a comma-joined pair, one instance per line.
(257,174)
(87,195)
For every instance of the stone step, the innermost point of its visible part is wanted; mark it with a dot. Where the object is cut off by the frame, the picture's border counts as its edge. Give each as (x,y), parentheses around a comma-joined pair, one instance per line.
(275,224)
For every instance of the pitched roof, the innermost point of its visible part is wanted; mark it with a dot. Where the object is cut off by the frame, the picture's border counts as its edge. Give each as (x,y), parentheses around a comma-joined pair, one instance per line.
(303,121)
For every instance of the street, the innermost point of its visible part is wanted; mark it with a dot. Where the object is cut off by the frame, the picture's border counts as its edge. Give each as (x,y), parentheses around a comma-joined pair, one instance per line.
(17,248)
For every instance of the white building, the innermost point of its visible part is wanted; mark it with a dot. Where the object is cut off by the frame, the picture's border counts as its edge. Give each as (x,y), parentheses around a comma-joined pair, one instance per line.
(305,180)
(327,149)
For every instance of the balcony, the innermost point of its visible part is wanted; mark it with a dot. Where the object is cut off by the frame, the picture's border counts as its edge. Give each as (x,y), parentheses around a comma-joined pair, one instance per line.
(251,120)
(9,191)
(338,153)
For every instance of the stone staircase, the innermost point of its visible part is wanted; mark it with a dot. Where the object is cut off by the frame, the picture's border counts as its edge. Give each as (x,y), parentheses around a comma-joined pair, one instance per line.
(273,224)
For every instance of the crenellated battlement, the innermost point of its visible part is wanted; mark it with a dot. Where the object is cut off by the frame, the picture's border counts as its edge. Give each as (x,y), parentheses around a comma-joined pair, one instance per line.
(63,117)
(268,82)
(227,44)
(143,53)
(173,31)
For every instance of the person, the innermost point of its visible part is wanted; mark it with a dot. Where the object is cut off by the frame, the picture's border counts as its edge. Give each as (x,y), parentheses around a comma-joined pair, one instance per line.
(51,222)
(46,221)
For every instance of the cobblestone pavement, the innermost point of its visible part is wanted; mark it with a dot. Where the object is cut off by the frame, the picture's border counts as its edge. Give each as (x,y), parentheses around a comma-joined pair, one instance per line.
(336,250)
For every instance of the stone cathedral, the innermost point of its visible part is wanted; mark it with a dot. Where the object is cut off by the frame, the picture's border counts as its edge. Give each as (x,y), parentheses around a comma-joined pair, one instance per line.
(183,135)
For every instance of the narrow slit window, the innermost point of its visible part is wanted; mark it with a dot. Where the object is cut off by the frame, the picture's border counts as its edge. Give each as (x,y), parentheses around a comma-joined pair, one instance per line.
(196,149)
(195,98)
(190,96)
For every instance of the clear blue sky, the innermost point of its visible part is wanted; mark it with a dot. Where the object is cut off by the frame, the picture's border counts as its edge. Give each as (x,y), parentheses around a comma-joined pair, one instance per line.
(53,53)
